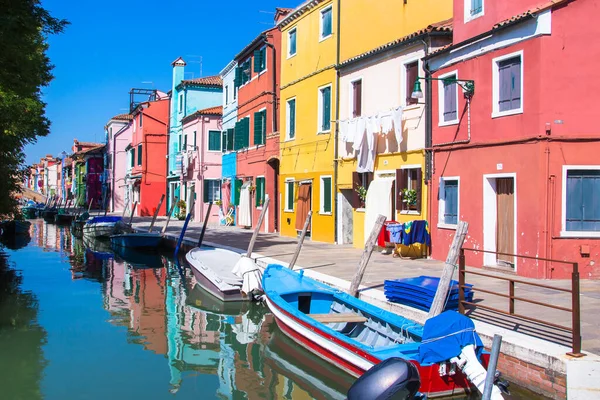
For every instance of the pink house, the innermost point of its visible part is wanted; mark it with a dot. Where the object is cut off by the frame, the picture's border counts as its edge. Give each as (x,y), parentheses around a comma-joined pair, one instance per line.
(201,176)
(118,132)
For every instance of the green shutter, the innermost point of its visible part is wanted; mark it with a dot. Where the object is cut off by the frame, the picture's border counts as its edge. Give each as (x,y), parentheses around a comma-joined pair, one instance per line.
(258,60)
(237,191)
(223,141)
(230,134)
(290,199)
(238,139)
(264,127)
(292,132)
(246,122)
(238,77)
(213,141)
(205,191)
(326,108)
(326,195)
(139,155)
(259,128)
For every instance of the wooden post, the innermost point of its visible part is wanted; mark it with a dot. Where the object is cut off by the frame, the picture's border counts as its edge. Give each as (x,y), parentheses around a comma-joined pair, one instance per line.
(125,209)
(258,225)
(206,217)
(90,206)
(300,241)
(164,229)
(162,198)
(366,255)
(132,213)
(439,301)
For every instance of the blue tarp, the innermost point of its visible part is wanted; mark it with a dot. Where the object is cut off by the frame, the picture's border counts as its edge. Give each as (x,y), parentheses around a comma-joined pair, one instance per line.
(104,219)
(444,337)
(419,292)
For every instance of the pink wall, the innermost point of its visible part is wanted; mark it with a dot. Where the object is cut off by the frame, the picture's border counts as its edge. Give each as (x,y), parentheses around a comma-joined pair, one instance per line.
(120,163)
(205,164)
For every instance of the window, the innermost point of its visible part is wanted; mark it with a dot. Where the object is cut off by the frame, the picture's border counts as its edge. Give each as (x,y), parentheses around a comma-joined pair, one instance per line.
(409,183)
(326,23)
(356,103)
(360,185)
(242,73)
(226,94)
(473,9)
(242,134)
(214,140)
(289,195)
(291,119)
(581,198)
(230,134)
(139,154)
(508,85)
(260,191)
(223,141)
(110,133)
(448,99)
(448,202)
(260,127)
(212,190)
(324,109)
(185,146)
(412,73)
(292,43)
(141,119)
(180,103)
(260,60)
(195,140)
(131,157)
(325,195)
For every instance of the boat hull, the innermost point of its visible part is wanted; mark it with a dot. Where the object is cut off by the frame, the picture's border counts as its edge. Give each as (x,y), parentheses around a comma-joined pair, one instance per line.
(30,212)
(49,216)
(15,227)
(227,296)
(100,230)
(137,240)
(63,219)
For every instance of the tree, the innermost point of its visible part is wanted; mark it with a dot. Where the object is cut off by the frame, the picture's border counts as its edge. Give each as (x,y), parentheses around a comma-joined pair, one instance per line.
(24,70)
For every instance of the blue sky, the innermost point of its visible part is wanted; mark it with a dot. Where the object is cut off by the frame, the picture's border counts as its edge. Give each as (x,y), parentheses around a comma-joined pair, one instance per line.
(112,46)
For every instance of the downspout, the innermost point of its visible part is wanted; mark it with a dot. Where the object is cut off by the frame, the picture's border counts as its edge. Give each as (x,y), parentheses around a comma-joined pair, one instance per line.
(428,134)
(274,83)
(114,160)
(547,212)
(168,195)
(201,170)
(337,117)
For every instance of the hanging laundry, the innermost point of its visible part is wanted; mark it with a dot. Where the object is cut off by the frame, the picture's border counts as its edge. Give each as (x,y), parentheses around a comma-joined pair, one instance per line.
(344,131)
(374,125)
(416,232)
(378,201)
(359,137)
(397,117)
(395,232)
(387,122)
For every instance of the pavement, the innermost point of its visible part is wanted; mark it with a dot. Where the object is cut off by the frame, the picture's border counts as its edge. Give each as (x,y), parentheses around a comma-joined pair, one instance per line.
(341,261)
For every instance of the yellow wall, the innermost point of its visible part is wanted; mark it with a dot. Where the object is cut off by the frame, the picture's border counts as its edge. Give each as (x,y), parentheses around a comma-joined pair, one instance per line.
(367,24)
(310,154)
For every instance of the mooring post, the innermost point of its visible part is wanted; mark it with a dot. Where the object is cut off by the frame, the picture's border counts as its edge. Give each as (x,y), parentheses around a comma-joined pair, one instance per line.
(491,369)
(162,198)
(439,301)
(366,255)
(300,241)
(185,225)
(201,239)
(90,206)
(125,209)
(461,281)
(258,225)
(164,229)
(132,213)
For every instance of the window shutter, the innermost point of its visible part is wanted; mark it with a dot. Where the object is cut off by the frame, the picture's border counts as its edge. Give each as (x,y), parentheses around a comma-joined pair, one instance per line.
(476,6)
(237,189)
(238,77)
(290,199)
(505,81)
(327,23)
(238,139)
(326,108)
(258,126)
(400,184)
(139,155)
(292,37)
(357,98)
(257,60)
(230,134)
(516,84)
(412,70)
(419,189)
(355,198)
(247,132)
(292,132)
(450,106)
(205,191)
(327,194)
(223,141)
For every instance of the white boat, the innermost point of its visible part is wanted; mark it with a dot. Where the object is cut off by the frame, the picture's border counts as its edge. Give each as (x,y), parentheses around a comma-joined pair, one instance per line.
(103,227)
(212,268)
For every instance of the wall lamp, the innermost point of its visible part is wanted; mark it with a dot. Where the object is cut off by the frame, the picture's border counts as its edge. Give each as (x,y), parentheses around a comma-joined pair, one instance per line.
(467,85)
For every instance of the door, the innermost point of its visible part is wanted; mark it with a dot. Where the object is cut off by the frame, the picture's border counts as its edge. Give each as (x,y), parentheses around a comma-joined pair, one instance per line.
(505,220)
(304,206)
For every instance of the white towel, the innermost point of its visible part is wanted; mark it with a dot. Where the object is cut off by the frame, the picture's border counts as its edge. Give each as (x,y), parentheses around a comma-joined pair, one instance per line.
(344,131)
(397,116)
(387,122)
(378,201)
(361,125)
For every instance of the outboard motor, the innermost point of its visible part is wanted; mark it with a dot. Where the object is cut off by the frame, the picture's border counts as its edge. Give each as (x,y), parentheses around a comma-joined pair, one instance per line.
(393,378)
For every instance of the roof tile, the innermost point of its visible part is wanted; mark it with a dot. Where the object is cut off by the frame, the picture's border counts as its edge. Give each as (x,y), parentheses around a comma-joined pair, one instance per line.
(215,81)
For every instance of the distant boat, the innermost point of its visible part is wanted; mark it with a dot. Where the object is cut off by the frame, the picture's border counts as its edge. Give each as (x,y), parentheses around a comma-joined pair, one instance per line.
(49,214)
(64,218)
(30,212)
(14,227)
(103,227)
(350,333)
(137,239)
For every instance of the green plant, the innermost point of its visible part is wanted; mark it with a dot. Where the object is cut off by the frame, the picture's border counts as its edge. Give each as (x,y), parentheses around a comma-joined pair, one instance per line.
(362,192)
(182,209)
(409,196)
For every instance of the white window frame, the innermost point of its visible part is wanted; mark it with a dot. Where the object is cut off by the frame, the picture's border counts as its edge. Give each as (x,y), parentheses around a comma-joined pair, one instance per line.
(294,29)
(351,96)
(403,89)
(563,217)
(180,105)
(266,64)
(322,195)
(226,93)
(321,13)
(287,119)
(496,85)
(265,179)
(208,141)
(467,11)
(287,194)
(441,99)
(320,108)
(442,205)
(410,166)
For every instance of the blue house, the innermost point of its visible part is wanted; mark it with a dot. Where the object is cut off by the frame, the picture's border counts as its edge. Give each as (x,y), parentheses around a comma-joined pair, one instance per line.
(229,161)
(187,97)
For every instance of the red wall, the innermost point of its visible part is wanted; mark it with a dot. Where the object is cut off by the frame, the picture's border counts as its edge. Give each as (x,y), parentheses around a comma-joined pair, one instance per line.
(252,97)
(558,90)
(153,137)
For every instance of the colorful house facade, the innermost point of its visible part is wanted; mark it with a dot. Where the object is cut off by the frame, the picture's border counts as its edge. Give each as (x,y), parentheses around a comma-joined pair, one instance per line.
(229,158)
(115,147)
(514,155)
(187,97)
(202,132)
(308,87)
(88,172)
(147,178)
(256,138)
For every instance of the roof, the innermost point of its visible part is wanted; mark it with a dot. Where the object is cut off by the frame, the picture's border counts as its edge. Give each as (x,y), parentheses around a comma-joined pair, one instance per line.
(257,40)
(81,153)
(122,117)
(214,81)
(218,110)
(444,27)
(298,11)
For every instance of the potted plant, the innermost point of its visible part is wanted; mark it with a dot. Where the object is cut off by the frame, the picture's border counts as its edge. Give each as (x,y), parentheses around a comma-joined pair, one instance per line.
(362,194)
(182,210)
(251,189)
(409,197)
(217,202)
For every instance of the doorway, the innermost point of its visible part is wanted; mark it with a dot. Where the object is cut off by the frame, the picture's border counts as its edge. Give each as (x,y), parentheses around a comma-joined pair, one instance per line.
(274,177)
(500,216)
(304,206)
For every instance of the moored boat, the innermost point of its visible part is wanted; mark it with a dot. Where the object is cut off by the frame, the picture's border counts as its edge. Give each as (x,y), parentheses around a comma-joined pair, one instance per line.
(352,334)
(64,218)
(30,212)
(15,227)
(49,214)
(137,239)
(103,227)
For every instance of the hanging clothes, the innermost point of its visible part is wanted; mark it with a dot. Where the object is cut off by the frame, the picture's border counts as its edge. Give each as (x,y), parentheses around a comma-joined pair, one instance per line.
(395,231)
(387,122)
(397,117)
(344,125)
(360,133)
(416,232)
(378,201)
(245,207)
(303,206)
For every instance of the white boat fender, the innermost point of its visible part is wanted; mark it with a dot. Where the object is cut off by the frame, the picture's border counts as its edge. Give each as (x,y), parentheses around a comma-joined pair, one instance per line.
(475,372)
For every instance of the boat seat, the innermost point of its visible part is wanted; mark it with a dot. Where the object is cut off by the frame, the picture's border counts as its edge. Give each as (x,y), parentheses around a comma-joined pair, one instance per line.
(338,317)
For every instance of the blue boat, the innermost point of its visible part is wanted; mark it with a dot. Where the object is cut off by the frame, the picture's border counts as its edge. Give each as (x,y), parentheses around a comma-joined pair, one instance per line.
(354,335)
(104,227)
(137,240)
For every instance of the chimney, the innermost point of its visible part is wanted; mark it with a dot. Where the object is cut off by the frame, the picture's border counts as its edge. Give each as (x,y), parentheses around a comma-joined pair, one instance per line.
(281,13)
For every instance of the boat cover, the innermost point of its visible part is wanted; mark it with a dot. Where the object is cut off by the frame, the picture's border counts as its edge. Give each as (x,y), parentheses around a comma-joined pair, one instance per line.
(104,219)
(445,335)
(419,292)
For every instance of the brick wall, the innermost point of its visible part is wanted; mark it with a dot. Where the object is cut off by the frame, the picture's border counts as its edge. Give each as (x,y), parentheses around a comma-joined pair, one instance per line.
(537,379)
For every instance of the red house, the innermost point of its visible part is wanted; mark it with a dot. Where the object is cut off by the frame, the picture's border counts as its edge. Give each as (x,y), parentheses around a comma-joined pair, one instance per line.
(256,137)
(147,177)
(516,155)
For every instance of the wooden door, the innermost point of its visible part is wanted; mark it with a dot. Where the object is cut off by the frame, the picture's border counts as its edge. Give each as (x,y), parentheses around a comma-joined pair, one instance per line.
(303,206)
(505,220)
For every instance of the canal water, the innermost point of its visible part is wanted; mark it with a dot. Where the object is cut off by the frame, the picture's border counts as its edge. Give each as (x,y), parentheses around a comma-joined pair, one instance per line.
(78,321)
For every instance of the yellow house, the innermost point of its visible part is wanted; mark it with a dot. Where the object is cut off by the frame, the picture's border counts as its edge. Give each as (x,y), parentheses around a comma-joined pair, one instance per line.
(382,139)
(307,112)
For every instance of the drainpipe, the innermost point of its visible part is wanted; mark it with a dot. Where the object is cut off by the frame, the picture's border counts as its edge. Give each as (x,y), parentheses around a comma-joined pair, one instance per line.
(202,169)
(336,135)
(274,58)
(547,212)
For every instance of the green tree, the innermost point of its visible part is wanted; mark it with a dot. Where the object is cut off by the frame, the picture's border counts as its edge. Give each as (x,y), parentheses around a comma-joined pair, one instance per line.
(24,70)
